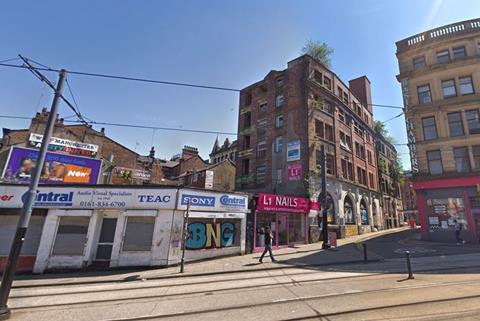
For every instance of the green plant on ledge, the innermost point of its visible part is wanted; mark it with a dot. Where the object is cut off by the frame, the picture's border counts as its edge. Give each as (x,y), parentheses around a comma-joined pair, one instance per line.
(317,104)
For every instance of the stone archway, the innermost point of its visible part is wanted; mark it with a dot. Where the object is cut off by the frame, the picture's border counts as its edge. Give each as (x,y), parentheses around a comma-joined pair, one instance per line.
(349,211)
(364,213)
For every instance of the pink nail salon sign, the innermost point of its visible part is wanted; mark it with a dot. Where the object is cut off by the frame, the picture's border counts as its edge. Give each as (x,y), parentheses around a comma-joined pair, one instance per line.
(282,203)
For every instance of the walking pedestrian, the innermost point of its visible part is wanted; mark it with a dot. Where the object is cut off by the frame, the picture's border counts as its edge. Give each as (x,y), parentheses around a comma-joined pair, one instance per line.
(458,229)
(268,245)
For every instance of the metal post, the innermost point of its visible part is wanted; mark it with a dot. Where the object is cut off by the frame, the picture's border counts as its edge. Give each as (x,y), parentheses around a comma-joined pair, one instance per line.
(28,201)
(184,237)
(409,266)
(365,257)
(323,201)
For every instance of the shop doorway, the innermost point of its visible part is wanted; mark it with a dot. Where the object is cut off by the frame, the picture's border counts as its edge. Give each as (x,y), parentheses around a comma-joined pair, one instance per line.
(287,229)
(105,241)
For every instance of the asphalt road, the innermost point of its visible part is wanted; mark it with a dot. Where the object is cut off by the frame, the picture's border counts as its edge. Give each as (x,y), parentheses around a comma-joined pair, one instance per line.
(394,246)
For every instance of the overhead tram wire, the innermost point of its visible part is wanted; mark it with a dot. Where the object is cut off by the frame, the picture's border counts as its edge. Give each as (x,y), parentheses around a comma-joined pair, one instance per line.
(155,81)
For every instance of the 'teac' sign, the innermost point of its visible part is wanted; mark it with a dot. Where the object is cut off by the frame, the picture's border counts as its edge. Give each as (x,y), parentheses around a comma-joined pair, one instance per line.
(282,203)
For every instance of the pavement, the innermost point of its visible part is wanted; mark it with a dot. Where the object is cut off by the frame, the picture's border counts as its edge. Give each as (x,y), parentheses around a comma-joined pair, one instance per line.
(307,284)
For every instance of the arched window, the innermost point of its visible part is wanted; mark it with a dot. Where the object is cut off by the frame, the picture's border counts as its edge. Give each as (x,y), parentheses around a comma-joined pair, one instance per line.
(348,211)
(363,212)
(330,208)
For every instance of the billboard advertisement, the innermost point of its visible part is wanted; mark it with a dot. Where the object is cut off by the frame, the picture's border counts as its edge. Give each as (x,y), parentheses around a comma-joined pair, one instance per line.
(58,168)
(293,151)
(64,145)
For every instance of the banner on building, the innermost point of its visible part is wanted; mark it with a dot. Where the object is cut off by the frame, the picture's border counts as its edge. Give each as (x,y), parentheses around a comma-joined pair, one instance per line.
(58,168)
(293,151)
(133,173)
(209,179)
(294,172)
(208,201)
(64,145)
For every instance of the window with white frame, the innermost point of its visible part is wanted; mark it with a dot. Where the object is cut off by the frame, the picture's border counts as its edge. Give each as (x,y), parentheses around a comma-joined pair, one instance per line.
(71,235)
(278,144)
(138,234)
(466,85)
(279,121)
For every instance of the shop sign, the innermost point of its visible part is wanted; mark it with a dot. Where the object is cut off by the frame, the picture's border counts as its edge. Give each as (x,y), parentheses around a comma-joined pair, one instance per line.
(57,169)
(91,198)
(294,172)
(293,151)
(282,203)
(64,145)
(209,179)
(212,201)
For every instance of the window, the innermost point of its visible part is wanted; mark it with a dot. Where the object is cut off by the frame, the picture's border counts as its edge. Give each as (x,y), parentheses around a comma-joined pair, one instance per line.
(247,120)
(279,82)
(247,98)
(459,52)
(317,76)
(339,92)
(261,149)
(347,170)
(371,180)
(455,124)
(473,121)
(262,126)
(418,62)
(341,115)
(328,132)
(71,235)
(278,144)
(327,82)
(345,141)
(279,121)
(348,211)
(260,177)
(466,85)
(462,161)
(319,128)
(195,176)
(443,56)
(279,101)
(424,96)
(263,107)
(476,156)
(448,88)
(246,142)
(434,159)
(429,128)
(138,233)
(361,176)
(359,150)
(246,166)
(330,164)
(327,107)
(369,157)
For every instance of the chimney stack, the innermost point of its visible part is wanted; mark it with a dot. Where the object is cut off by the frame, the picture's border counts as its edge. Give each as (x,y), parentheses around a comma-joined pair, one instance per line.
(360,87)
(188,152)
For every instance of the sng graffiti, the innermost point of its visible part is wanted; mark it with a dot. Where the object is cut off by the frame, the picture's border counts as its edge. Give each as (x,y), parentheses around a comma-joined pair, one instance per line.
(210,235)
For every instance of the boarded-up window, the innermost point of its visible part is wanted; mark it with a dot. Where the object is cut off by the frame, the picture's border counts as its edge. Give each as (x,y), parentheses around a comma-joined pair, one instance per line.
(139,233)
(8,225)
(71,235)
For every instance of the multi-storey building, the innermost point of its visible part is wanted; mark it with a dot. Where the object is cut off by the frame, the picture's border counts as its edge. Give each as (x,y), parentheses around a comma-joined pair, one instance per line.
(226,151)
(389,182)
(409,199)
(283,121)
(440,81)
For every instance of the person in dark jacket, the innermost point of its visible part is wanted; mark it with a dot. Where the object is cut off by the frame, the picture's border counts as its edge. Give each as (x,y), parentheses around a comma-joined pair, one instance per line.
(458,230)
(268,244)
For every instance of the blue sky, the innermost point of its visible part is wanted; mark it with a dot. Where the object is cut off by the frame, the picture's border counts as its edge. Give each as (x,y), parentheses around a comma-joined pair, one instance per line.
(219,43)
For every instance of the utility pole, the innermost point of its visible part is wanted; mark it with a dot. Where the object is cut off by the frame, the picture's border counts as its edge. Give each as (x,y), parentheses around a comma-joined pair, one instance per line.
(323,200)
(29,199)
(184,237)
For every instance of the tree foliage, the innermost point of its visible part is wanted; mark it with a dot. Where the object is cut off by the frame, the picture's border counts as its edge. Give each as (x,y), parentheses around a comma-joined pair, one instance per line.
(319,50)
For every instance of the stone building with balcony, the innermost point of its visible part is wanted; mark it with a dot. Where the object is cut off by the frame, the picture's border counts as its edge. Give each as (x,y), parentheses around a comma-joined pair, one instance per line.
(285,118)
(439,73)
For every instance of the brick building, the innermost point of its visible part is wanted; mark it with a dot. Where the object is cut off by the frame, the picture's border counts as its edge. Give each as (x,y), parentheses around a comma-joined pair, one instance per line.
(440,81)
(390,186)
(219,177)
(283,121)
(82,143)
(409,198)
(226,151)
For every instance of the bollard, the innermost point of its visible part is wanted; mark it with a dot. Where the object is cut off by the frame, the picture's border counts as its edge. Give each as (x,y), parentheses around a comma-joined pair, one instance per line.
(365,257)
(409,266)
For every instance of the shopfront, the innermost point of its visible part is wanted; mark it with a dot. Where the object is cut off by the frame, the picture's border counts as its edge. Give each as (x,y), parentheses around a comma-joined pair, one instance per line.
(287,218)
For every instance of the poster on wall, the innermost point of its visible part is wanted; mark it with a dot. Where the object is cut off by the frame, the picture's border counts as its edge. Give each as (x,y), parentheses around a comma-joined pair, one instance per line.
(209,179)
(64,145)
(58,168)
(294,172)
(293,151)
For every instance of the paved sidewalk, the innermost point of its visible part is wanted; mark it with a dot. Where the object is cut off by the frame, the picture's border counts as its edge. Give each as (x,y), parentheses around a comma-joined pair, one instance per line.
(347,252)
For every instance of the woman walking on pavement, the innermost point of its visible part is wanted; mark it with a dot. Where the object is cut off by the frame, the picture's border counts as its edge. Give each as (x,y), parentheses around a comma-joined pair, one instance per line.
(268,244)
(458,229)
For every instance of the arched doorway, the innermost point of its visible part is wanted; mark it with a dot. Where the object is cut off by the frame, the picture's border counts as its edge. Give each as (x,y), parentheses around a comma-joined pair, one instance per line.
(364,212)
(348,210)
(330,208)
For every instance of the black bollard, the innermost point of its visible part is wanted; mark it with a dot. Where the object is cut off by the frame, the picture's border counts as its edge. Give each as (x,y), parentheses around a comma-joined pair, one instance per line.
(409,266)
(365,257)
